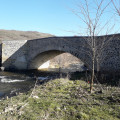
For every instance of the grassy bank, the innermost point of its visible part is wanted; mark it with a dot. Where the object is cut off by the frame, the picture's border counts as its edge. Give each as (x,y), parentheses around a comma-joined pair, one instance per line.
(63,99)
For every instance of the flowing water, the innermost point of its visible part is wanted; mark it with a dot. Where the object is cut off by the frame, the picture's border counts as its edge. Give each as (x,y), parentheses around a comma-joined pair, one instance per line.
(12,83)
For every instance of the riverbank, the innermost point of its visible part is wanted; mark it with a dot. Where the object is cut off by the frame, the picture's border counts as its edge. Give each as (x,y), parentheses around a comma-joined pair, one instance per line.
(63,99)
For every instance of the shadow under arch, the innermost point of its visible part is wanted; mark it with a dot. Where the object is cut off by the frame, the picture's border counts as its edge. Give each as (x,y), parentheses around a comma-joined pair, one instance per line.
(43,57)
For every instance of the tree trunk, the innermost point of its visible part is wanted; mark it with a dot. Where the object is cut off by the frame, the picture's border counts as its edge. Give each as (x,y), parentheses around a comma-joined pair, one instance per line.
(92,78)
(93,68)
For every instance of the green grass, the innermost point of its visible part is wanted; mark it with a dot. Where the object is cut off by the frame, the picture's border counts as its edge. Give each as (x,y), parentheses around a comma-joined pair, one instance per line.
(62,99)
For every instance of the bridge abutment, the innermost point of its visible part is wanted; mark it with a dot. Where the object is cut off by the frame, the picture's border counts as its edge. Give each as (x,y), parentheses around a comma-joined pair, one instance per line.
(14,54)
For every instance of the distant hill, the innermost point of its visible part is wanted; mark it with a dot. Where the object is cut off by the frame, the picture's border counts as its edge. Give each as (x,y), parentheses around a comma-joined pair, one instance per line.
(21,35)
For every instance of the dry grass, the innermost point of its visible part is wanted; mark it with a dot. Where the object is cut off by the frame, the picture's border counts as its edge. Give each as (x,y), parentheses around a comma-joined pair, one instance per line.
(63,99)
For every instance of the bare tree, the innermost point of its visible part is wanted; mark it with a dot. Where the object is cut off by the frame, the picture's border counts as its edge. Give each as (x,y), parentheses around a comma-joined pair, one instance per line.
(91,16)
(116,4)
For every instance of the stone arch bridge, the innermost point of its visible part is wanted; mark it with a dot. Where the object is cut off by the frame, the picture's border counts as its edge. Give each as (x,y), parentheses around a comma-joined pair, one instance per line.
(30,54)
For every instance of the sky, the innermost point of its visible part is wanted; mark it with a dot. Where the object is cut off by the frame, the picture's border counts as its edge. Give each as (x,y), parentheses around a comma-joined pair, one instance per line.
(47,16)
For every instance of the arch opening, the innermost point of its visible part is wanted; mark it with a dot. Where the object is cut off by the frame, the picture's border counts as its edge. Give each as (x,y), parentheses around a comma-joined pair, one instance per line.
(42,58)
(56,59)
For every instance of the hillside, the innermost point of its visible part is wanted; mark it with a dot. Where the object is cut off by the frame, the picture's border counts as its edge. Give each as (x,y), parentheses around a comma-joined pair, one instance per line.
(21,35)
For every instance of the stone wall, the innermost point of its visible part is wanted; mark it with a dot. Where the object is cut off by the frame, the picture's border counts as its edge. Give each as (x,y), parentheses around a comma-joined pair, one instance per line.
(31,54)
(0,54)
(14,54)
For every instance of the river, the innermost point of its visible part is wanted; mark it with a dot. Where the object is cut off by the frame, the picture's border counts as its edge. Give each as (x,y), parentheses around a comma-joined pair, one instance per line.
(12,83)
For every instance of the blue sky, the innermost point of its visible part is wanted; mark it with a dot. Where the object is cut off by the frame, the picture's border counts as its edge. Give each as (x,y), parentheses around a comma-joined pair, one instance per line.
(47,16)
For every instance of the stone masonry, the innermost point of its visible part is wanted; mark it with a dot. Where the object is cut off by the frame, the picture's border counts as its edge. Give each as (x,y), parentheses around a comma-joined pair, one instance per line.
(30,54)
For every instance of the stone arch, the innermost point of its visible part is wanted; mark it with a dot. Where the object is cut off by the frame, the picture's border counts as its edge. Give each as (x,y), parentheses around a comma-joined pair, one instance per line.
(41,50)
(20,54)
(43,57)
